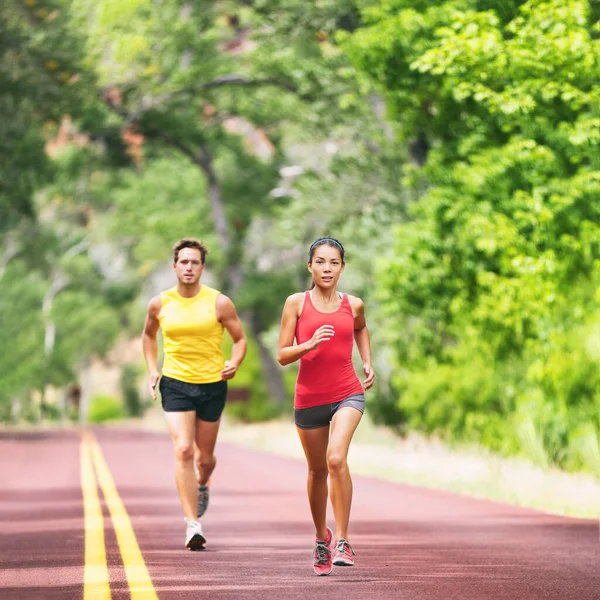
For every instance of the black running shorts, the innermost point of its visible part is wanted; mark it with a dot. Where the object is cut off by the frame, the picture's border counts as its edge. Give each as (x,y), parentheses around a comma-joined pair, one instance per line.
(207,399)
(320,416)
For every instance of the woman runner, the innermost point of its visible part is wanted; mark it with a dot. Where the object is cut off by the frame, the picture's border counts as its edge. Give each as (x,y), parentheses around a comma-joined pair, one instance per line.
(329,399)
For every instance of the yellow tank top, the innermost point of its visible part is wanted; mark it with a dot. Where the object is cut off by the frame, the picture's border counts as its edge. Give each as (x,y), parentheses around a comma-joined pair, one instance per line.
(193,337)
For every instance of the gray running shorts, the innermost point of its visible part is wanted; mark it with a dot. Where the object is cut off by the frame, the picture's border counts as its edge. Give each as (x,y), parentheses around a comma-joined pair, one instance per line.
(320,416)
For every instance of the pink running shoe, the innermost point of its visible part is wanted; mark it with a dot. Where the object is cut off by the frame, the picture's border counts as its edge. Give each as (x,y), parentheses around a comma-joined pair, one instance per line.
(343,554)
(322,564)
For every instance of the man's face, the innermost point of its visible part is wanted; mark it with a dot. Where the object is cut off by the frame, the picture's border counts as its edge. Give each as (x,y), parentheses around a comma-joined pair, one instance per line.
(189,266)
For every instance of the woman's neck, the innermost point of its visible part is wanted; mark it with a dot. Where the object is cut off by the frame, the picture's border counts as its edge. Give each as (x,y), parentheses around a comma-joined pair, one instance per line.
(325,296)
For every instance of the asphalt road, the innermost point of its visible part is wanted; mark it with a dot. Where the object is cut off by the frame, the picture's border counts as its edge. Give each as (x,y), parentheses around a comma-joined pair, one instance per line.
(97,516)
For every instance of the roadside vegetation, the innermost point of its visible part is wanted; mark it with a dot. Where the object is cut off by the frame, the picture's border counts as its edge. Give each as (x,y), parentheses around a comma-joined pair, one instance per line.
(454,146)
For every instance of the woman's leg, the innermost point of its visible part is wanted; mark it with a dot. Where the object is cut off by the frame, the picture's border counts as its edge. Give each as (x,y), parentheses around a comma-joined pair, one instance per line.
(314,442)
(343,425)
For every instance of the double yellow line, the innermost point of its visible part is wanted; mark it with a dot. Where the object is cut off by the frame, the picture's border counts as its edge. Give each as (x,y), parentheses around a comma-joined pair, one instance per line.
(96,586)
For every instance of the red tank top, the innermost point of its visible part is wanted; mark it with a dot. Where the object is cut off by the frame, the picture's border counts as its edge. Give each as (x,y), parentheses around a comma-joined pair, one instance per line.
(327,373)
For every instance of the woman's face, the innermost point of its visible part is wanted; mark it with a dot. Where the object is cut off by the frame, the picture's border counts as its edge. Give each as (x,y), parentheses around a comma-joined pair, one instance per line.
(326,266)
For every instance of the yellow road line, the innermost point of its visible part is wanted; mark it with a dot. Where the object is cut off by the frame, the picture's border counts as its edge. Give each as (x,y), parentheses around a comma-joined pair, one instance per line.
(95,574)
(138,578)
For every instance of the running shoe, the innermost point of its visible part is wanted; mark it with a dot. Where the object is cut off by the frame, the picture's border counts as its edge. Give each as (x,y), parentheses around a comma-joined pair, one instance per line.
(203,494)
(194,538)
(342,556)
(322,564)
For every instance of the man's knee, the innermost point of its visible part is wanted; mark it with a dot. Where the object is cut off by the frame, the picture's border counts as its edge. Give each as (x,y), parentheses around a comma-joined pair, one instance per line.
(205,461)
(184,451)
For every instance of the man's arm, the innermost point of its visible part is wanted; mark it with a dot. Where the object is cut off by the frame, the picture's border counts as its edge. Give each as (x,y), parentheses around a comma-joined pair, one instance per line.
(150,344)
(227,316)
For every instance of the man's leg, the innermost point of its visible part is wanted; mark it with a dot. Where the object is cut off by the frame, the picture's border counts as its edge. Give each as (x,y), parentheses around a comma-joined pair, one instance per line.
(181,427)
(208,420)
(206,439)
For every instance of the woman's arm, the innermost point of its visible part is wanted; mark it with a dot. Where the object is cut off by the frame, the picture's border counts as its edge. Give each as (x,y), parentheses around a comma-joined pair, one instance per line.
(287,352)
(363,340)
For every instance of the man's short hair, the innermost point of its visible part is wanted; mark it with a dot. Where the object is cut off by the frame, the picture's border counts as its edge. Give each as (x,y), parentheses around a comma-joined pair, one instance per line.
(190,243)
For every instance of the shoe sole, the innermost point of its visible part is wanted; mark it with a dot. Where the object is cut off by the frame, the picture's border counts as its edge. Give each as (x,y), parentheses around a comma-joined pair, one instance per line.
(197,543)
(323,574)
(342,563)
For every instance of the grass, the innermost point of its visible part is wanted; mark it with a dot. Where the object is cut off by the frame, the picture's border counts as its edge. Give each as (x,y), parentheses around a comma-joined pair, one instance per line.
(378,452)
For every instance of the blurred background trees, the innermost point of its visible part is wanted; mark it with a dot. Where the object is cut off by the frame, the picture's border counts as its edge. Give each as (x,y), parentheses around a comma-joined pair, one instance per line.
(452,146)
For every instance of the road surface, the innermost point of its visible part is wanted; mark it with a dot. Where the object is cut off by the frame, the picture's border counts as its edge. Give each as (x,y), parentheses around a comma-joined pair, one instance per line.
(95,515)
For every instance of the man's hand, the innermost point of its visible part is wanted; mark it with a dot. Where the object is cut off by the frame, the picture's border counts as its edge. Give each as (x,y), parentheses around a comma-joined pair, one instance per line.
(370,376)
(229,371)
(152,381)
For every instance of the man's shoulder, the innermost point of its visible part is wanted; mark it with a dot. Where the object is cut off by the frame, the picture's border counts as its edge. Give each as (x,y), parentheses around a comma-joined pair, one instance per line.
(166,295)
(211,291)
(154,305)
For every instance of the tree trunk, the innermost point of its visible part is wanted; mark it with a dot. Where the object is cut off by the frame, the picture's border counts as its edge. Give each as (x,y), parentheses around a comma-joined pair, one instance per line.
(270,367)
(233,277)
(15,410)
(86,392)
(11,249)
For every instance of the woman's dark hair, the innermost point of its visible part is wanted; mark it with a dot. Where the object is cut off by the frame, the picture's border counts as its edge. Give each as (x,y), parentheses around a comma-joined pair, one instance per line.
(325,241)
(329,241)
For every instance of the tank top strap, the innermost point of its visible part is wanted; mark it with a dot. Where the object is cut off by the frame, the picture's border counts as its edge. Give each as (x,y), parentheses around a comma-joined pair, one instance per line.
(312,308)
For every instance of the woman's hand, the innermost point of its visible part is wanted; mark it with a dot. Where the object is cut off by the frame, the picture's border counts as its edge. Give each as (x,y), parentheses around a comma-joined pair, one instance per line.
(323,334)
(370,376)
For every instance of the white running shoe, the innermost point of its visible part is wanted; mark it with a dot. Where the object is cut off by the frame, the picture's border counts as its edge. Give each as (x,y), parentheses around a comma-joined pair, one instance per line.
(194,538)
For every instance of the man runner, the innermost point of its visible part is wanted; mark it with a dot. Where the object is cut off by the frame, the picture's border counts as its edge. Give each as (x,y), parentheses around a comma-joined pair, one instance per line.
(193,384)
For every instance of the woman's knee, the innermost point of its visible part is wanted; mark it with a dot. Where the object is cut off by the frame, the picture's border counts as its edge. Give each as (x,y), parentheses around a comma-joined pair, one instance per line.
(336,463)
(319,473)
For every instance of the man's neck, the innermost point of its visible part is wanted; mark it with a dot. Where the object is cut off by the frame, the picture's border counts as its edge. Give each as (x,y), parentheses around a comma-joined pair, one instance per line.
(188,291)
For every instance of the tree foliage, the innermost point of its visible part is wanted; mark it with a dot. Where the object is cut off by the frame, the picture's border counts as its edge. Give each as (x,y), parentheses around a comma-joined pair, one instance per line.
(496,269)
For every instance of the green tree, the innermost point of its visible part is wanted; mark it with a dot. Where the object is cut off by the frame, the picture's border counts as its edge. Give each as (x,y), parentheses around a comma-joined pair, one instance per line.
(499,103)
(206,81)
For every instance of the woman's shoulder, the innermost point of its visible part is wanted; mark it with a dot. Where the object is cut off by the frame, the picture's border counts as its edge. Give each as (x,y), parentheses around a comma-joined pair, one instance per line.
(358,306)
(295,298)
(295,302)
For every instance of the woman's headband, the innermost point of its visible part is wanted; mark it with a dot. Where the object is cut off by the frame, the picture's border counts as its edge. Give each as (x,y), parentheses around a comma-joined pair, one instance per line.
(324,240)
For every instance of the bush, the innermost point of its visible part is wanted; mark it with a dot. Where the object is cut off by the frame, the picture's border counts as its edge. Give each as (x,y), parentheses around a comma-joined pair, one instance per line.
(129,388)
(253,411)
(105,408)
(259,407)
